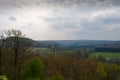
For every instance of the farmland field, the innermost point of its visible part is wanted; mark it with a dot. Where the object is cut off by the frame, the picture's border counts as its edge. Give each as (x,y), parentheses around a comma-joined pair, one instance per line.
(106,54)
(57,51)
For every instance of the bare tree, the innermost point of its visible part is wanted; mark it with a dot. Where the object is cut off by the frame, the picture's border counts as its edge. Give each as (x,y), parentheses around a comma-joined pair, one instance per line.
(17,42)
(2,40)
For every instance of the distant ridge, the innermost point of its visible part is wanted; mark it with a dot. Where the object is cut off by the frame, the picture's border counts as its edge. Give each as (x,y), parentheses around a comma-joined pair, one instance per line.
(78,43)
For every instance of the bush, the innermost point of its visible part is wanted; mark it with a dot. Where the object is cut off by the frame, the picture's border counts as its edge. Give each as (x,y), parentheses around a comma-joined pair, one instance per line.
(33,70)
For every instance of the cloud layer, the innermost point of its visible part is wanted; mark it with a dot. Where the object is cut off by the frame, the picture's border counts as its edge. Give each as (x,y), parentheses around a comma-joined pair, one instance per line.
(62,19)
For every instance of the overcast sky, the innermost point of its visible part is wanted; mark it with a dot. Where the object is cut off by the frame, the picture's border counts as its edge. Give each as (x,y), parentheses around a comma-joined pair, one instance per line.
(62,19)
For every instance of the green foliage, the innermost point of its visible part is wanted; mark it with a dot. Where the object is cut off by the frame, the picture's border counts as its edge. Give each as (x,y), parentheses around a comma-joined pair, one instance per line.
(101,58)
(33,70)
(3,77)
(80,53)
(113,71)
(83,52)
(100,72)
(56,77)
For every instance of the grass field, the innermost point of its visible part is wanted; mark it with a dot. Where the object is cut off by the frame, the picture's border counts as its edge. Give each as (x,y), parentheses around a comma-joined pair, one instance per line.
(105,54)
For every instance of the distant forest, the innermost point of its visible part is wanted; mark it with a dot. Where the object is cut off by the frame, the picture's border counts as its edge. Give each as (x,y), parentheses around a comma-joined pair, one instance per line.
(98,45)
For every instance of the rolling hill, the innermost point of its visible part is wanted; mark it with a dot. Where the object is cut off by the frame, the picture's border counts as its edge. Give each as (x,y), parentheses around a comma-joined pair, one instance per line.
(78,43)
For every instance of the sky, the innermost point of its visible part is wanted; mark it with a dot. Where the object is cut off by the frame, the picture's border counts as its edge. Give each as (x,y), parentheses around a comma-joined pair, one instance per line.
(62,19)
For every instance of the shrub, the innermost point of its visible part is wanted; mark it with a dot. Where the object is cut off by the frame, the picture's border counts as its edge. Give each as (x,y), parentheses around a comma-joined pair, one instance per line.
(33,70)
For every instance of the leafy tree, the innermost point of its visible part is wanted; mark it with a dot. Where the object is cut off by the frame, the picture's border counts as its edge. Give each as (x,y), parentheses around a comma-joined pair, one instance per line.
(33,70)
(101,58)
(113,71)
(81,53)
(100,72)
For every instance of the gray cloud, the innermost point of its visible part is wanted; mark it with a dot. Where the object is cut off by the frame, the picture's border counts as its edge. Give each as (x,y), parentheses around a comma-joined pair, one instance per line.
(10,6)
(65,26)
(20,3)
(12,18)
(74,18)
(109,19)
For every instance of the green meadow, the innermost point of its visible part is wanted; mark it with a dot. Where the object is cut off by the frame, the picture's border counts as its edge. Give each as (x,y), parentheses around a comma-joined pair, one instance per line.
(106,54)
